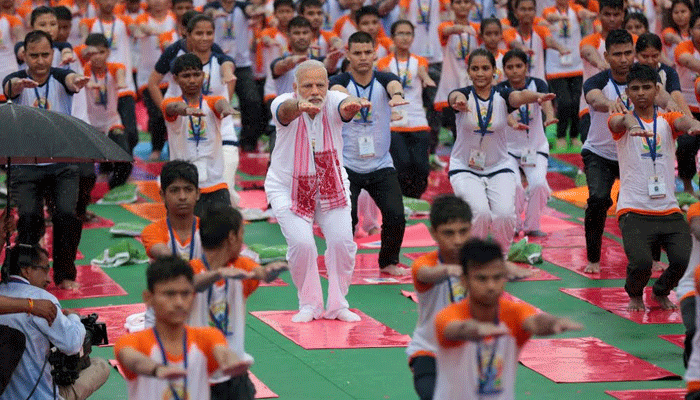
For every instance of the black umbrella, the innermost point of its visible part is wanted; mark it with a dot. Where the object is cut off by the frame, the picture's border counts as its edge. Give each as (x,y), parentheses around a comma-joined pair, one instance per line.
(31,135)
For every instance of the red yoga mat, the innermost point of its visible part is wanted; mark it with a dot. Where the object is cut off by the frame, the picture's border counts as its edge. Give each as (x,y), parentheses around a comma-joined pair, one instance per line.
(153,168)
(261,389)
(539,274)
(587,359)
(615,300)
(47,243)
(649,394)
(559,181)
(678,340)
(99,222)
(275,283)
(114,317)
(613,261)
(93,283)
(254,164)
(612,226)
(438,183)
(253,199)
(333,334)
(574,159)
(367,271)
(572,237)
(416,235)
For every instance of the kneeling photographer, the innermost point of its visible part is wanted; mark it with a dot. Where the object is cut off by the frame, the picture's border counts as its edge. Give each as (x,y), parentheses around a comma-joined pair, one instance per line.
(26,274)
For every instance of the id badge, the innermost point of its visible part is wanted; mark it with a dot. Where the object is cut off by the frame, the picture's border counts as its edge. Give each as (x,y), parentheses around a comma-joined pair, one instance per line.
(313,144)
(366,146)
(201,170)
(657,187)
(477,159)
(528,158)
(566,60)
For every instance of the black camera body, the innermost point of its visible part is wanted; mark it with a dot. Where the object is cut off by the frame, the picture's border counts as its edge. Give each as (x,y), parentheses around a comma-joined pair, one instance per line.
(66,369)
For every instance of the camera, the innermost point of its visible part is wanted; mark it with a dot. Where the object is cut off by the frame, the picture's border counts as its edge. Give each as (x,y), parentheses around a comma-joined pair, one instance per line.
(66,369)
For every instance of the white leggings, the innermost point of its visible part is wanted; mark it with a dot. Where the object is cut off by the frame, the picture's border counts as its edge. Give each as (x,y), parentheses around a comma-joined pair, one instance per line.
(533,199)
(302,255)
(492,201)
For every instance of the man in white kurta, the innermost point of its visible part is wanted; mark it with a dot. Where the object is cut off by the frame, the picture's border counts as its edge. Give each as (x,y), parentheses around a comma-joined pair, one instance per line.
(306,182)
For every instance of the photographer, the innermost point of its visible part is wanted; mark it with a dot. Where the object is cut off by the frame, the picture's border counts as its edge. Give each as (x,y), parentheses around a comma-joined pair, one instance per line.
(26,273)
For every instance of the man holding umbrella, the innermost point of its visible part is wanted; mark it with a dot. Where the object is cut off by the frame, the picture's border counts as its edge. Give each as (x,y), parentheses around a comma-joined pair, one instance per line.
(42,86)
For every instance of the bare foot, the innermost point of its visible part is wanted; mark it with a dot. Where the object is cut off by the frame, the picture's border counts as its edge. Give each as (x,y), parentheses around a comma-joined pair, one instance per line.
(395,270)
(688,186)
(665,303)
(372,231)
(69,285)
(592,268)
(658,266)
(636,304)
(517,272)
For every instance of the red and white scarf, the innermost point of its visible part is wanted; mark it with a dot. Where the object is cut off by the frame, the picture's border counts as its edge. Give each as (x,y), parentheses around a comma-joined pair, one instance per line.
(316,172)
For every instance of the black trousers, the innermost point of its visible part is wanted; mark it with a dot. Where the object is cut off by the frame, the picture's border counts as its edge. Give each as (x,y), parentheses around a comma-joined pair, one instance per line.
(119,171)
(383,186)
(434,71)
(688,315)
(424,371)
(409,150)
(253,119)
(156,122)
(568,91)
(236,388)
(600,176)
(126,106)
(686,149)
(217,198)
(584,124)
(60,183)
(86,183)
(12,345)
(640,233)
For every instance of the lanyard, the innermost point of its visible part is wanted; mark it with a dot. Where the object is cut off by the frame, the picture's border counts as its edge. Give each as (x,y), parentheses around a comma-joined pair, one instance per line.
(449,281)
(110,39)
(617,90)
(484,122)
(221,324)
(467,50)
(486,377)
(529,56)
(398,70)
(165,362)
(172,238)
(229,24)
(44,104)
(196,128)
(364,112)
(650,143)
(206,85)
(102,89)
(424,10)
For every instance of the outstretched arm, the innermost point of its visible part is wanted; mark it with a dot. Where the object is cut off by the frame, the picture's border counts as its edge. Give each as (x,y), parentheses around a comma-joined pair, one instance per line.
(544,324)
(519,97)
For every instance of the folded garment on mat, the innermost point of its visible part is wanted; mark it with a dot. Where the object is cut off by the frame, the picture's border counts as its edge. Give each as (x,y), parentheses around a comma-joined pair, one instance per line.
(122,253)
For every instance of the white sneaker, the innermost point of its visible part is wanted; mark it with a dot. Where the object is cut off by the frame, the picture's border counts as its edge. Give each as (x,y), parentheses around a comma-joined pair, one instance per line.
(347,316)
(304,315)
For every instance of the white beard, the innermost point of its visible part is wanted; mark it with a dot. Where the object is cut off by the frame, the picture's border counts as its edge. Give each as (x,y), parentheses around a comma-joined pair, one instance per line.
(301,98)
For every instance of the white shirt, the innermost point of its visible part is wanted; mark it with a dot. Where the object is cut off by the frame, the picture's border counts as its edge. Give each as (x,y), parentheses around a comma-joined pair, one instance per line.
(281,170)
(599,140)
(66,333)
(534,138)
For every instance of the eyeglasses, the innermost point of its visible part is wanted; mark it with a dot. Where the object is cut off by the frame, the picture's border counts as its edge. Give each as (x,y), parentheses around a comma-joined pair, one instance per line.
(44,268)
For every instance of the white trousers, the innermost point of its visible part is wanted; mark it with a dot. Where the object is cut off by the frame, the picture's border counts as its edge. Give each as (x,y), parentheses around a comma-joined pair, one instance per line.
(492,201)
(534,199)
(367,211)
(231,159)
(302,254)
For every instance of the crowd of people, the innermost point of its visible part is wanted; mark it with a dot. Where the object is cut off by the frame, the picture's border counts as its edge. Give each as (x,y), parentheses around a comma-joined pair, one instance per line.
(352,95)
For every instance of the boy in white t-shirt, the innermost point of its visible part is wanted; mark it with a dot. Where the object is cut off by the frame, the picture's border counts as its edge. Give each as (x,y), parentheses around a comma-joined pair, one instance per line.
(480,337)
(173,360)
(647,209)
(436,279)
(193,121)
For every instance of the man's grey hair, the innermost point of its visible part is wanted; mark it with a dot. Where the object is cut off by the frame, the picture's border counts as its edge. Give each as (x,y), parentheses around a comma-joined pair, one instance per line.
(306,66)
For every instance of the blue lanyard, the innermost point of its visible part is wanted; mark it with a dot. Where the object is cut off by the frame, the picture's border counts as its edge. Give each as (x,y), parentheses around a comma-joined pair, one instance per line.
(196,128)
(465,52)
(165,361)
(110,39)
(173,241)
(484,122)
(364,112)
(206,85)
(424,15)
(43,104)
(398,70)
(617,90)
(650,143)
(529,56)
(102,89)
(221,324)
(485,376)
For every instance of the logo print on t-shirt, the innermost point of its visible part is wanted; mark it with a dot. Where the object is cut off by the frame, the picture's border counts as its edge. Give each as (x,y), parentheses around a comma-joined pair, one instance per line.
(490,376)
(483,110)
(647,153)
(198,123)
(42,102)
